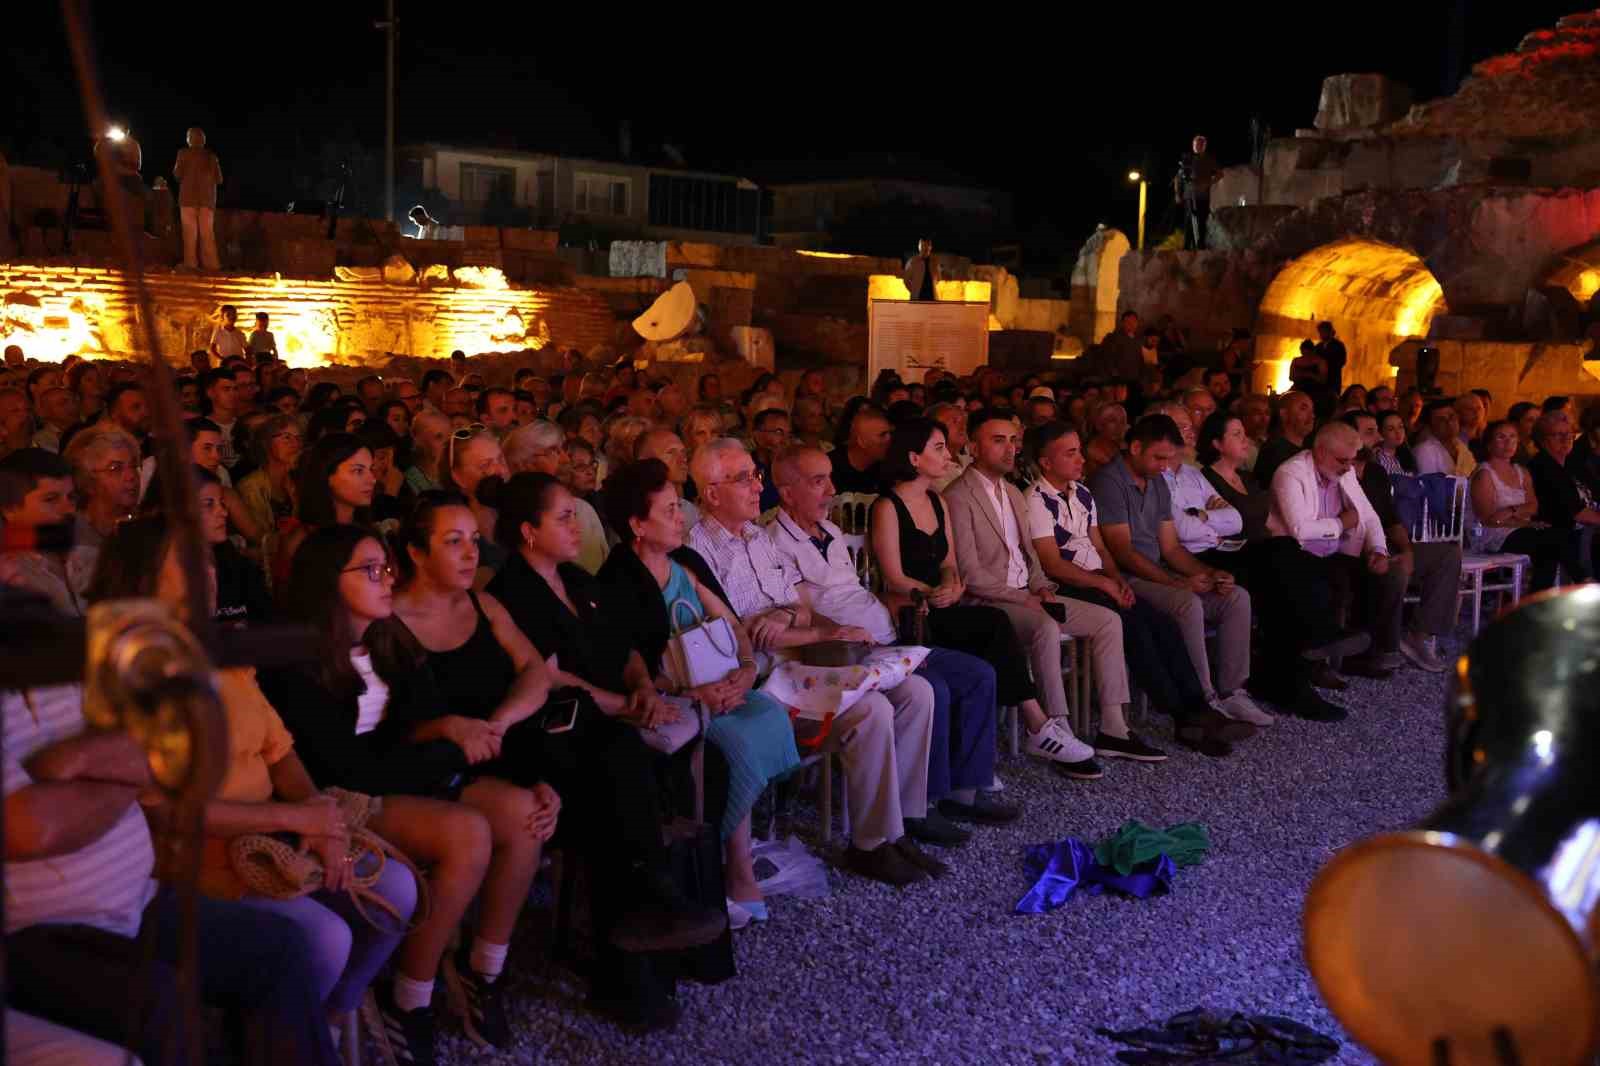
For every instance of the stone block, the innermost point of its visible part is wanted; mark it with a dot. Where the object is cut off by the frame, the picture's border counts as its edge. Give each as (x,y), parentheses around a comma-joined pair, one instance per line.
(636,259)
(1353,101)
(483,235)
(754,345)
(691,254)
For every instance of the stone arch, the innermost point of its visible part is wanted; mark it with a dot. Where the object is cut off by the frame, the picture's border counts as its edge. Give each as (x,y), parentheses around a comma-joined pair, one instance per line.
(1096,285)
(1375,294)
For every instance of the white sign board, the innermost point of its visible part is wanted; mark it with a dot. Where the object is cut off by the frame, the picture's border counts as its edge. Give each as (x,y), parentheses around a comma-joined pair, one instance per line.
(911,337)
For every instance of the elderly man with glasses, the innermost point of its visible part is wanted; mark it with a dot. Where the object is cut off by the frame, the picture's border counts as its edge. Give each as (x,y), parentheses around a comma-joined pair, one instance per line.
(105,466)
(885,737)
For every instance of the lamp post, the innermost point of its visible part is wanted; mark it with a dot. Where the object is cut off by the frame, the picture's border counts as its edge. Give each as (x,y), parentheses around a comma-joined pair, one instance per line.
(1135,176)
(388,26)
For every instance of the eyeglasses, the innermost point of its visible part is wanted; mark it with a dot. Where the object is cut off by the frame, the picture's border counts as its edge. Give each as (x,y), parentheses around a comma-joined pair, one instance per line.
(376,572)
(742,479)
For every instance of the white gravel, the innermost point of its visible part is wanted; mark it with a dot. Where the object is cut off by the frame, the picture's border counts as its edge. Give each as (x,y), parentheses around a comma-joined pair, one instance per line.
(944,973)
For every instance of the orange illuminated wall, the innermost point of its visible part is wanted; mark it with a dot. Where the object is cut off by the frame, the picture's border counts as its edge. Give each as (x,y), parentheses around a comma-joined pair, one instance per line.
(357,316)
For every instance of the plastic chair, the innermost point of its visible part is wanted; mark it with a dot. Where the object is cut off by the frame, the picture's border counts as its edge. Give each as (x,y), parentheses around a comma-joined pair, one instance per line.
(851,511)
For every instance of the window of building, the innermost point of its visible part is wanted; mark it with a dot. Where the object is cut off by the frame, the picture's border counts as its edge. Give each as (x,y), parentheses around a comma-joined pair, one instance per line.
(480,184)
(600,194)
(704,203)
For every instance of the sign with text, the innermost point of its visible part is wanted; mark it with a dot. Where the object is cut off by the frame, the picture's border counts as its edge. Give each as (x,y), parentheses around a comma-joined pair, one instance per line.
(911,337)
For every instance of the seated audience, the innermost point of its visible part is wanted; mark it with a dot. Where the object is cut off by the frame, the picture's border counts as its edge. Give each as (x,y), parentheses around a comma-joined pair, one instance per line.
(37,547)
(1523,415)
(267,493)
(241,595)
(1565,502)
(105,467)
(90,934)
(265,789)
(1440,450)
(1297,418)
(1472,414)
(1432,567)
(1505,504)
(864,440)
(487,673)
(653,571)
(1136,523)
(542,448)
(1110,428)
(890,732)
(663,444)
(430,435)
(962,751)
(472,457)
(333,486)
(1392,453)
(1064,527)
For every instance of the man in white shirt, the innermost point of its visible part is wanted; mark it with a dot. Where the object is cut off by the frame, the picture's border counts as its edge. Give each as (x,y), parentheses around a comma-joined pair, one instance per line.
(1318,500)
(79,894)
(884,738)
(228,339)
(222,407)
(962,755)
(1441,451)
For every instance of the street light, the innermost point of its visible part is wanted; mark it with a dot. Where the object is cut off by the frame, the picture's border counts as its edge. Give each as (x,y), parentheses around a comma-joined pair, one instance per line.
(1135,176)
(116,133)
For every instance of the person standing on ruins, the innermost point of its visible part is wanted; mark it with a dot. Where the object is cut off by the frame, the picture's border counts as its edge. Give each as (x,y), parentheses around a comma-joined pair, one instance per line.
(921,274)
(1197,172)
(199,173)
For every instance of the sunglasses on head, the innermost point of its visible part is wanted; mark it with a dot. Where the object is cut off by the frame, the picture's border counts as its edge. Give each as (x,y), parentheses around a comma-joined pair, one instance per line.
(464,433)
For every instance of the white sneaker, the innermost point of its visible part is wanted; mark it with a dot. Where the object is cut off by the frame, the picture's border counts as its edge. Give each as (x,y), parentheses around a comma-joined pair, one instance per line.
(995,784)
(1420,650)
(1241,708)
(738,917)
(1054,742)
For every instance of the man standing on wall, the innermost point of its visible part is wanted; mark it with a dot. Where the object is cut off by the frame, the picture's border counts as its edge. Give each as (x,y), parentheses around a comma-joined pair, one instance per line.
(1332,350)
(921,274)
(198,173)
(1197,172)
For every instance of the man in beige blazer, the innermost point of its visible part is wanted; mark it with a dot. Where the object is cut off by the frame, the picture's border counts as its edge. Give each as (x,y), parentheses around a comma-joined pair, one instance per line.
(994,554)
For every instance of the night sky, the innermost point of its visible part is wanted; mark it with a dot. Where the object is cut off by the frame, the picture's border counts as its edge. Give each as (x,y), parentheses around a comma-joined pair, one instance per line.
(1056,111)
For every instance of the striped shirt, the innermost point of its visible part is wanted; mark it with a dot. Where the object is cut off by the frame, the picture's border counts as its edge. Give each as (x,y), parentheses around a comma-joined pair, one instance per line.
(105,884)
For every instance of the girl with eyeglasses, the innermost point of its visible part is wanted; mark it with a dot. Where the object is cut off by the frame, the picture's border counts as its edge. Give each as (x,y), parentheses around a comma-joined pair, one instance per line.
(265,789)
(370,716)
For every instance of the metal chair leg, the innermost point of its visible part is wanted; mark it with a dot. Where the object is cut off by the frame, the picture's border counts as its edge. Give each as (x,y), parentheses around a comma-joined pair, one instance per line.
(825,800)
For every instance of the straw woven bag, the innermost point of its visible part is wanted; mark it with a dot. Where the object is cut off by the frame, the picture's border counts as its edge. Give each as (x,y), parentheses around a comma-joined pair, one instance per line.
(273,867)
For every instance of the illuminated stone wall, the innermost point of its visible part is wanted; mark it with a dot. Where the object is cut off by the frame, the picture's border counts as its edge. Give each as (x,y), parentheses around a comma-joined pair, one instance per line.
(358,316)
(1374,294)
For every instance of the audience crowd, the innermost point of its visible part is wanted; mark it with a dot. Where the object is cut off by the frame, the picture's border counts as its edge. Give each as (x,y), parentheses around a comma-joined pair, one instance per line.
(500,575)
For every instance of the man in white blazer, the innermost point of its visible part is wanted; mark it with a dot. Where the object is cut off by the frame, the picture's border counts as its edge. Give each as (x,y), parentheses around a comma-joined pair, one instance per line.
(1317,499)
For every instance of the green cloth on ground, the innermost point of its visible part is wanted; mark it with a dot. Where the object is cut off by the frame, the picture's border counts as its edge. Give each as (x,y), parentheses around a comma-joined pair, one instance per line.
(1136,843)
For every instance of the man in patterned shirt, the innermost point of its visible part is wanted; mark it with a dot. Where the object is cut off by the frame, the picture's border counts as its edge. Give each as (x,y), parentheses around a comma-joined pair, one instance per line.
(1065,527)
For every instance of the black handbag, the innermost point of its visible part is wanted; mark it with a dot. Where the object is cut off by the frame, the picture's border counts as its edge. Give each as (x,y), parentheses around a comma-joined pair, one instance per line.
(694,862)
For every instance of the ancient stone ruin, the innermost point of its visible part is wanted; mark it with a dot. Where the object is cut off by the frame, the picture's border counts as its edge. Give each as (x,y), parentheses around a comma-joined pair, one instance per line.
(1471,222)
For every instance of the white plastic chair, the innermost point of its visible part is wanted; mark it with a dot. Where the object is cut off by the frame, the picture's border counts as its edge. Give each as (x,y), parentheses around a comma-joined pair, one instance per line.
(1481,572)
(851,511)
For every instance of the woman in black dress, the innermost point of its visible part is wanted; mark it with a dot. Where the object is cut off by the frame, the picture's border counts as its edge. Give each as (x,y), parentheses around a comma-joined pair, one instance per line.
(913,552)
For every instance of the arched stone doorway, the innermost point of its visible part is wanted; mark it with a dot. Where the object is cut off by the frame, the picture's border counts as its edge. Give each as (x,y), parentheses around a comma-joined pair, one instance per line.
(1096,285)
(1375,294)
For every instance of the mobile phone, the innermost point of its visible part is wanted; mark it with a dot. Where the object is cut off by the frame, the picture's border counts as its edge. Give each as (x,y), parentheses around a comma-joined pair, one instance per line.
(560,716)
(1057,610)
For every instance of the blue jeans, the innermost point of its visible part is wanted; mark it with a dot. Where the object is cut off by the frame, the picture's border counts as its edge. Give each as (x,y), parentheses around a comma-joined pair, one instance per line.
(126,992)
(346,950)
(963,753)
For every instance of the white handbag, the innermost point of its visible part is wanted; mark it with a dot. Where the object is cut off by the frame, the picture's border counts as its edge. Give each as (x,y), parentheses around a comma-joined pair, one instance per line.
(704,651)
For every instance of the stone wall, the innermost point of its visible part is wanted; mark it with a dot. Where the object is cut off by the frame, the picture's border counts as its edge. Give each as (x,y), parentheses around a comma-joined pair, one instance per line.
(1511,372)
(358,316)
(1208,293)
(1096,285)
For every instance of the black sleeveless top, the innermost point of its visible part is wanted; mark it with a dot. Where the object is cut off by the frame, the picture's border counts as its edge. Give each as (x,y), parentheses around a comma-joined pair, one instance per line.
(922,554)
(475,677)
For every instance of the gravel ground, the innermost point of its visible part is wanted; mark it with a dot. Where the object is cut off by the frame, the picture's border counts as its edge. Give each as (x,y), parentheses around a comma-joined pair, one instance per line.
(944,973)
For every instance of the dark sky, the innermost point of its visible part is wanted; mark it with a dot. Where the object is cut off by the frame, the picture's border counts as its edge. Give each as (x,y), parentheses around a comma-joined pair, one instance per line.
(1053,109)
